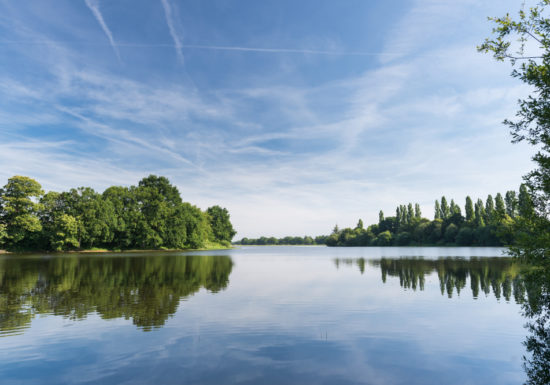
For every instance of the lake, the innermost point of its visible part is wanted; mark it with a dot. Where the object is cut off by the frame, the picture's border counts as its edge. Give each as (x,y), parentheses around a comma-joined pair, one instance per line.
(263,315)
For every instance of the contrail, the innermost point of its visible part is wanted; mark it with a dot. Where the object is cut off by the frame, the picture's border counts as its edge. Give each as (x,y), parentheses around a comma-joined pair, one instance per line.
(217,47)
(170,22)
(94,7)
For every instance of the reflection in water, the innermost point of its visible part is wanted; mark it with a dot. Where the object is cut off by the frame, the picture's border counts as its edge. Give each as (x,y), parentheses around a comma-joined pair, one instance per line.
(145,289)
(498,275)
(537,311)
(501,276)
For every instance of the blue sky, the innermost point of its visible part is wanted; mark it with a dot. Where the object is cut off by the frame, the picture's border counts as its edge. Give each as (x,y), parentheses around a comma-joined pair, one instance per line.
(295,115)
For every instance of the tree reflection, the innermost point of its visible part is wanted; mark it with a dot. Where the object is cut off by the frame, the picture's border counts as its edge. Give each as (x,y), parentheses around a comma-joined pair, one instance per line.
(498,275)
(504,277)
(145,289)
(537,311)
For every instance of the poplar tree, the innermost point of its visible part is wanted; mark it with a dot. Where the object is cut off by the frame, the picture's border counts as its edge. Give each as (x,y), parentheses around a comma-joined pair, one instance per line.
(437,210)
(479,214)
(444,208)
(398,222)
(489,208)
(525,203)
(403,212)
(417,212)
(500,207)
(469,208)
(410,213)
(511,203)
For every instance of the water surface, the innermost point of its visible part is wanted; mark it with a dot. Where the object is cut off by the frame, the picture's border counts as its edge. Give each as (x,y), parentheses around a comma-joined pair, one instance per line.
(263,315)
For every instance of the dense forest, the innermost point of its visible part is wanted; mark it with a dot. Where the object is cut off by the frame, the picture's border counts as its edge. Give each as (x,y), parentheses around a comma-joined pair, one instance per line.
(493,222)
(150,215)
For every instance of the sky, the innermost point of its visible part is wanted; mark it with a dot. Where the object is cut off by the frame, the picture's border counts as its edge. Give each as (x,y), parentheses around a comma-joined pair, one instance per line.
(294,115)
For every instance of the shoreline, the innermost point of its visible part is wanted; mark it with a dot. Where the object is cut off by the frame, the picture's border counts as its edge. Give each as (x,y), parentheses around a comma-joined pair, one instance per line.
(101,251)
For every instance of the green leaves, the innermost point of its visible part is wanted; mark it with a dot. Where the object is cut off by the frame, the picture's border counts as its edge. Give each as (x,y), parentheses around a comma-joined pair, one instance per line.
(222,228)
(149,216)
(19,210)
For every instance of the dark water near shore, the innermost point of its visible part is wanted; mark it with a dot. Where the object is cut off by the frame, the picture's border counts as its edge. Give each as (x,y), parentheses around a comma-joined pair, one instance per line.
(263,315)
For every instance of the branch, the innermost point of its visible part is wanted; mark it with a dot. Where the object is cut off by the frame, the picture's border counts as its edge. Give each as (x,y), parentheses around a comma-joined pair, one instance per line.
(522,57)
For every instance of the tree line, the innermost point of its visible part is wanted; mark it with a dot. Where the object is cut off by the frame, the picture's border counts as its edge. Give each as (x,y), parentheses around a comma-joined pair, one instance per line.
(289,240)
(151,215)
(493,222)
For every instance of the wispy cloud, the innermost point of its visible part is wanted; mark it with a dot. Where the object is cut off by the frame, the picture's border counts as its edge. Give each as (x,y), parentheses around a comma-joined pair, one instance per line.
(307,147)
(94,7)
(170,21)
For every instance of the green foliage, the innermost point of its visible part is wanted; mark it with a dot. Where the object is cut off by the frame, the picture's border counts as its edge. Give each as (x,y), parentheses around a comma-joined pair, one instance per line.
(530,57)
(445,210)
(3,233)
(500,208)
(469,208)
(449,227)
(222,228)
(305,240)
(148,216)
(511,203)
(383,239)
(489,209)
(20,211)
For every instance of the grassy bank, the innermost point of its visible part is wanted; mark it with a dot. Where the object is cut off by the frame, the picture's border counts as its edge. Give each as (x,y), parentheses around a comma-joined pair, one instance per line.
(208,246)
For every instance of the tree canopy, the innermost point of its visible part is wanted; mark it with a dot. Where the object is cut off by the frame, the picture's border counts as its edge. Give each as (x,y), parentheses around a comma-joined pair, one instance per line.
(151,215)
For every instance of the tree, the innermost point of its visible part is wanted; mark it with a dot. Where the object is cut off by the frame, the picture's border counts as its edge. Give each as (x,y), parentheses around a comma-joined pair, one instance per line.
(451,233)
(525,203)
(445,211)
(437,210)
(384,239)
(18,200)
(489,209)
(222,228)
(94,215)
(469,208)
(380,217)
(127,216)
(500,207)
(531,61)
(410,213)
(398,222)
(3,234)
(511,203)
(66,231)
(455,209)
(403,212)
(479,213)
(417,211)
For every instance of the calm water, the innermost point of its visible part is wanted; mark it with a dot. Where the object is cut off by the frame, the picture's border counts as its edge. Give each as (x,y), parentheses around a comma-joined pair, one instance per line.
(263,315)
